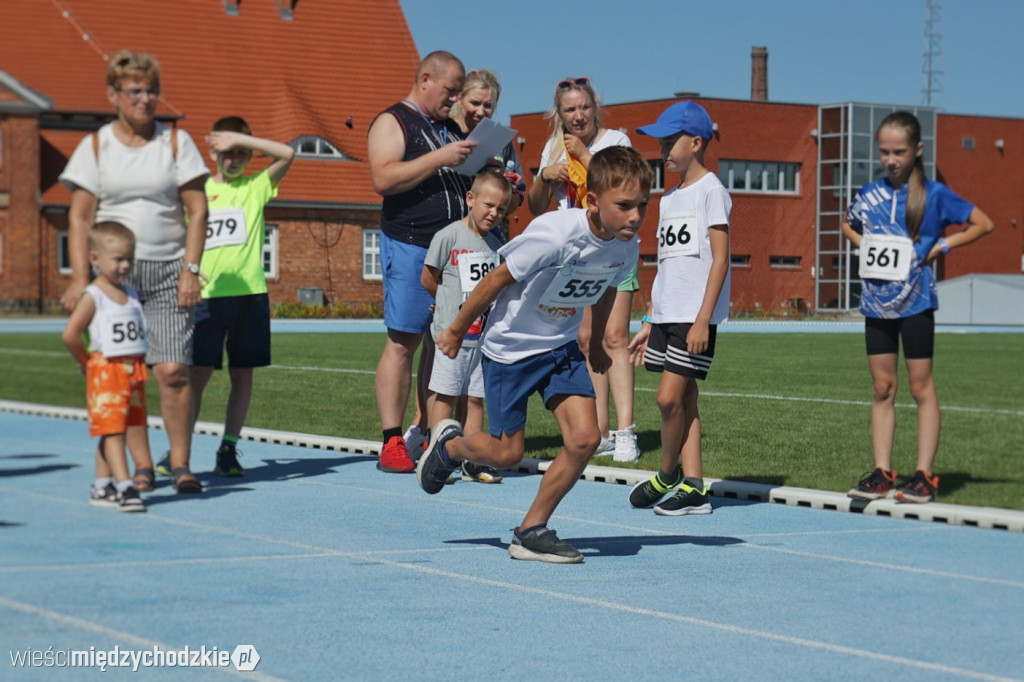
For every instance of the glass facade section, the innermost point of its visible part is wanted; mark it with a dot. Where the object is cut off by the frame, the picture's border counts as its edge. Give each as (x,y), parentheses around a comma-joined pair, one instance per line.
(848,160)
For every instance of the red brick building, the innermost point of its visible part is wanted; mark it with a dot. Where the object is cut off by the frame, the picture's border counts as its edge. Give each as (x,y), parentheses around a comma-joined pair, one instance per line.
(791,168)
(315,73)
(312,74)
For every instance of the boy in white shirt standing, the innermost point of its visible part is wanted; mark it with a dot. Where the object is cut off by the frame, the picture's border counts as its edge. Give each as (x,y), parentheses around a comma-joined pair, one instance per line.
(690,297)
(563,262)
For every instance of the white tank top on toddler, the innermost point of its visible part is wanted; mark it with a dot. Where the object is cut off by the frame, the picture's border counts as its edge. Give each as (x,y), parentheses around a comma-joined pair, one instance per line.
(117,329)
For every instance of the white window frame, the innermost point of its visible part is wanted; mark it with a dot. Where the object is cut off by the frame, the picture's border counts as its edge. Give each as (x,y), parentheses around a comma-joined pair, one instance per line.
(658,168)
(785,262)
(371,254)
(63,255)
(323,149)
(732,170)
(270,251)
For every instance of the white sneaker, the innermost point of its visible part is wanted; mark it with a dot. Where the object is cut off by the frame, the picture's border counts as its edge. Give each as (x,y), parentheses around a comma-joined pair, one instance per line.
(606,446)
(625,444)
(415,442)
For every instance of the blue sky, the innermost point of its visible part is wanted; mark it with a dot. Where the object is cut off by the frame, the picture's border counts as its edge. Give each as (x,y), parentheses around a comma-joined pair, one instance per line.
(819,51)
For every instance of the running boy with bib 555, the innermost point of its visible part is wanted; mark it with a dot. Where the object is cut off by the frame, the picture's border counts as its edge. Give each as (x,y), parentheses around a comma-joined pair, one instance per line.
(562,262)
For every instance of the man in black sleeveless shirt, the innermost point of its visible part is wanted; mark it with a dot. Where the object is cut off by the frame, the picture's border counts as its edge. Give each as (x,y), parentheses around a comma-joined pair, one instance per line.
(412,148)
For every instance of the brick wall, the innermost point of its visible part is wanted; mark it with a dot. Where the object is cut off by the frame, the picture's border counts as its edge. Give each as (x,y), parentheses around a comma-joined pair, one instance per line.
(19,213)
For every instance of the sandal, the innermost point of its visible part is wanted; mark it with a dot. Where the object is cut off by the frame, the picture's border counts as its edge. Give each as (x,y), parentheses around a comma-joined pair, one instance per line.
(144,480)
(184,485)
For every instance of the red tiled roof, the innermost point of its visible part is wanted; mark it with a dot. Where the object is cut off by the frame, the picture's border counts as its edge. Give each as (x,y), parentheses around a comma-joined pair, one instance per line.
(333,60)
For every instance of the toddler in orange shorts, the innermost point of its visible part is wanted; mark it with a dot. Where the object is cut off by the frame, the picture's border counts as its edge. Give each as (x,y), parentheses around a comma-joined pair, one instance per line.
(110,311)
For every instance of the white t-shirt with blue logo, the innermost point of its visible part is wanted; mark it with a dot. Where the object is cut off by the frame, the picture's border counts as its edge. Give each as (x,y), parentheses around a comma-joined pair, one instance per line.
(560,267)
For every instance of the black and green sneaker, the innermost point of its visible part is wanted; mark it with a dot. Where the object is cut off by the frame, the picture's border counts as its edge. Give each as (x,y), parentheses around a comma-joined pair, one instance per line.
(687,500)
(227,461)
(645,493)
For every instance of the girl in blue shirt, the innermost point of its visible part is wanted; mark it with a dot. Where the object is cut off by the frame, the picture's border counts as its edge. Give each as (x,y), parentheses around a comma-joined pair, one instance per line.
(898,224)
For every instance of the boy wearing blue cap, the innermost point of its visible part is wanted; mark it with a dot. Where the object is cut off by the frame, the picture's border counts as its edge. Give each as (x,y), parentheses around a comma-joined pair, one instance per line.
(690,297)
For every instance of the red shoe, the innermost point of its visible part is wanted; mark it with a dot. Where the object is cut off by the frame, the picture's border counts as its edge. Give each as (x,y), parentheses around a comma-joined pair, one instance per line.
(394,458)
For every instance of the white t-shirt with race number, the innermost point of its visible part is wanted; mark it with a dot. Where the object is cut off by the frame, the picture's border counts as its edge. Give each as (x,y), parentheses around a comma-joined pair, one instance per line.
(559,267)
(684,251)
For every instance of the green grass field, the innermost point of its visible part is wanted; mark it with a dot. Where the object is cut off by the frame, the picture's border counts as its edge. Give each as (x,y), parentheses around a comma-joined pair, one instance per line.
(785,409)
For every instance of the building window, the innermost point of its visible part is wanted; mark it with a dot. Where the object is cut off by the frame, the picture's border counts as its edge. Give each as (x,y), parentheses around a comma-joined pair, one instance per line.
(270,252)
(658,168)
(63,255)
(774,177)
(738,261)
(313,147)
(784,261)
(371,254)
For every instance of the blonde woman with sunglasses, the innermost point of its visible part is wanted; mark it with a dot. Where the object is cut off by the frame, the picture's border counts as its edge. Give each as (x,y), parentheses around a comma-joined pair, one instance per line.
(576,135)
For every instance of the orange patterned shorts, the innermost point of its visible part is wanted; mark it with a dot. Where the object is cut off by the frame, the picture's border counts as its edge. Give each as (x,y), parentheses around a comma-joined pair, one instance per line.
(115,394)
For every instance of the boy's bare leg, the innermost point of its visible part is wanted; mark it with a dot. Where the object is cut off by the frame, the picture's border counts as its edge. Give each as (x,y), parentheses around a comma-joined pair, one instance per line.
(474,421)
(674,420)
(690,454)
(577,420)
(200,377)
(442,407)
(114,456)
(600,381)
(239,400)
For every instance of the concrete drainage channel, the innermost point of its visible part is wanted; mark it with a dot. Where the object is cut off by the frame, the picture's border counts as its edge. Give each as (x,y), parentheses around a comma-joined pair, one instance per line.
(952,514)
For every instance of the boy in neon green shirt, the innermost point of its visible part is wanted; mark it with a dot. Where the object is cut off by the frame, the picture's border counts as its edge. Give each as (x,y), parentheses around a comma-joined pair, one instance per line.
(235,310)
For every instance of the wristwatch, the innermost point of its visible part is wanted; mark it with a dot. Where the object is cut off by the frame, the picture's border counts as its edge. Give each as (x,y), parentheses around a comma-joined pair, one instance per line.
(192,267)
(943,245)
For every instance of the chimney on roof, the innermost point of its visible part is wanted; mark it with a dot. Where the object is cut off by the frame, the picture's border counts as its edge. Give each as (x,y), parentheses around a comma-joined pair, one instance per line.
(759,74)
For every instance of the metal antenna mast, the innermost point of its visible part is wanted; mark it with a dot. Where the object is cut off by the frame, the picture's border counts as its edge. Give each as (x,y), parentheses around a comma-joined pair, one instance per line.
(932,67)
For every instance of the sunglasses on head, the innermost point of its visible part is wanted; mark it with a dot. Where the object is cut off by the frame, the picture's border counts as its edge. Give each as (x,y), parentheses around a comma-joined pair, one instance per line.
(569,82)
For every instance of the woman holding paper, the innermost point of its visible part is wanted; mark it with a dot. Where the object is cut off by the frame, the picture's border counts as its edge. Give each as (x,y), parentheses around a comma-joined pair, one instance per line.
(479,99)
(577,133)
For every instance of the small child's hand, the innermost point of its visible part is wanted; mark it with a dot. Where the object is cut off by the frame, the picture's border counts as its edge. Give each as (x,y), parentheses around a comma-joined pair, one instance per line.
(638,346)
(697,338)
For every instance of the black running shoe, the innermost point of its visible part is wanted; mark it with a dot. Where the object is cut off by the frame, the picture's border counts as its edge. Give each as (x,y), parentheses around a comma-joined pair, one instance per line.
(646,493)
(687,500)
(878,483)
(481,473)
(107,497)
(432,471)
(227,462)
(129,501)
(542,544)
(163,467)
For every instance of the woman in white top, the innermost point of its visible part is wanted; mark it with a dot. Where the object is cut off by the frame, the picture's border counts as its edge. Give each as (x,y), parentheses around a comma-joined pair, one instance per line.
(577,132)
(141,173)
(576,117)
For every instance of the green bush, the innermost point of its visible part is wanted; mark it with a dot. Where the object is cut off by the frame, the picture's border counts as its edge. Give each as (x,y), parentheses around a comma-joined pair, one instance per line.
(345,311)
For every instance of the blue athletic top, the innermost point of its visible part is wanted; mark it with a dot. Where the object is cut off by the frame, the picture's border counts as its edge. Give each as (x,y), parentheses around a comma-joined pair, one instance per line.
(414,216)
(880,208)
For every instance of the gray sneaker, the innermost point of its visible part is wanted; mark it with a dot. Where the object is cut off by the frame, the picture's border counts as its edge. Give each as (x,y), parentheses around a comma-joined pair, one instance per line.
(432,471)
(687,500)
(107,497)
(542,544)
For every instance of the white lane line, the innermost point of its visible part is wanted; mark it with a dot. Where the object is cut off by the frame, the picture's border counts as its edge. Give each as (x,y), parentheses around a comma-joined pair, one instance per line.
(120,636)
(887,566)
(714,394)
(527,589)
(614,606)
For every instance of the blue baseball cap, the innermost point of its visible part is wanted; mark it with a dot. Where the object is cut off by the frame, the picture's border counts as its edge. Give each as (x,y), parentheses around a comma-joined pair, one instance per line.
(682,117)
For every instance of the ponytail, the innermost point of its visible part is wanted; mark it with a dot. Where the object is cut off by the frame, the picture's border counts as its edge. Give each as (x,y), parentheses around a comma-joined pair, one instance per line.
(916,192)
